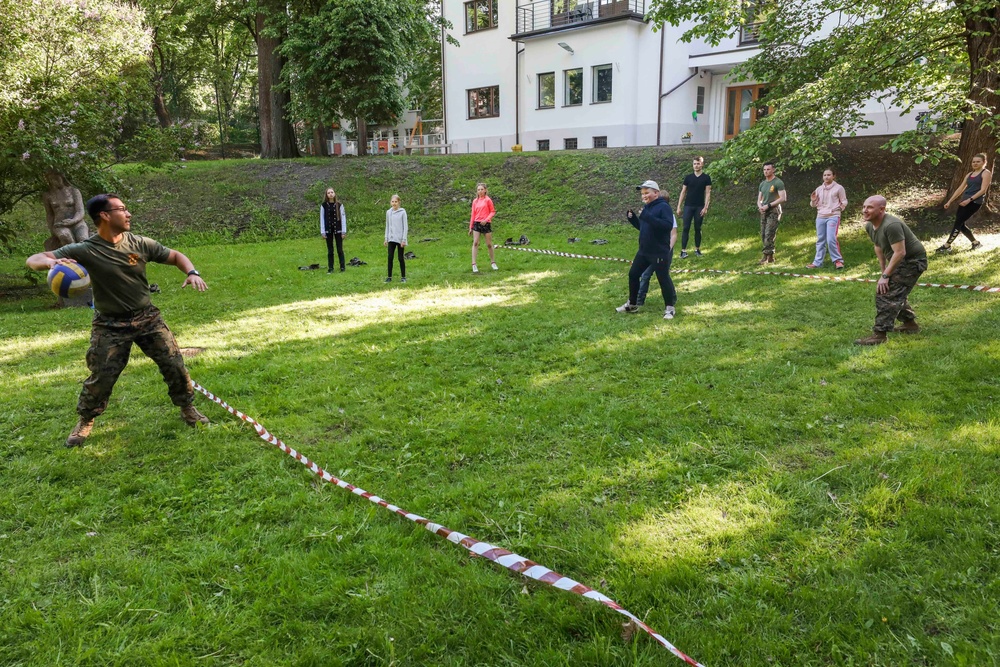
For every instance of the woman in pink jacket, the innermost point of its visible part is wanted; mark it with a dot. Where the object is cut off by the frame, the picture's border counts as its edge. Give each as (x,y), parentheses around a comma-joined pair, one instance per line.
(479,223)
(829,200)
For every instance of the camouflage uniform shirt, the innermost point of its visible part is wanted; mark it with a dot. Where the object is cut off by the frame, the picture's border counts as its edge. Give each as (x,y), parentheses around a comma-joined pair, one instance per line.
(117,270)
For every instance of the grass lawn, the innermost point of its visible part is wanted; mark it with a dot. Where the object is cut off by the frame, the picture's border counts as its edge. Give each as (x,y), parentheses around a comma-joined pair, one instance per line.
(745,479)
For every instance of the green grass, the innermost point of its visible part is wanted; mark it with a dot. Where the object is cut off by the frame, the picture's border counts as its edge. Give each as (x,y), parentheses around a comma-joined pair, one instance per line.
(754,486)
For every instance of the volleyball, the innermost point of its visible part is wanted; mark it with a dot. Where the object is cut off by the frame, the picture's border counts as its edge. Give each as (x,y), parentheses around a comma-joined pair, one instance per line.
(68,280)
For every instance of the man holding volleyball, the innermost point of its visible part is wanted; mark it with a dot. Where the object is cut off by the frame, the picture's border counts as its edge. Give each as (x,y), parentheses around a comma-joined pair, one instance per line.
(116,260)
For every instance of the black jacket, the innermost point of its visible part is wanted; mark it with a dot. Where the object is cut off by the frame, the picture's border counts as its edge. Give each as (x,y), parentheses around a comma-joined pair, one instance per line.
(655,223)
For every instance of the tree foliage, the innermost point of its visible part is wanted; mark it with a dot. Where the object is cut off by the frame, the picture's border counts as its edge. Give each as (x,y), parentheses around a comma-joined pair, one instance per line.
(69,72)
(824,59)
(356,59)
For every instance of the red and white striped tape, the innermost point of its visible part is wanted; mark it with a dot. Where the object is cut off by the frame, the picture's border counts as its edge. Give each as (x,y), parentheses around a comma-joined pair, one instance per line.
(511,561)
(836,279)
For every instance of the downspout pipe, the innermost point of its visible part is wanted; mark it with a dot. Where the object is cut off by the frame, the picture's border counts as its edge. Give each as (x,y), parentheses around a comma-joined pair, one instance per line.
(444,90)
(659,99)
(517,92)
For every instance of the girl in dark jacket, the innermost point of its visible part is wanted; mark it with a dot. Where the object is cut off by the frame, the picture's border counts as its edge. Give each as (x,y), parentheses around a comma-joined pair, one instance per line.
(333,227)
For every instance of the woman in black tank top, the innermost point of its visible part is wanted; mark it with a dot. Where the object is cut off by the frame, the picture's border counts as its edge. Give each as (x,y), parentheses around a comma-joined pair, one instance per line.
(973,194)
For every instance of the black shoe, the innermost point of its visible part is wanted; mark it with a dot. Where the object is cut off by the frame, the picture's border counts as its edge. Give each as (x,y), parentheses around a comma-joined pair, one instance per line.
(944,249)
(975,244)
(342,269)
(330,270)
(684,254)
(697,252)
(389,279)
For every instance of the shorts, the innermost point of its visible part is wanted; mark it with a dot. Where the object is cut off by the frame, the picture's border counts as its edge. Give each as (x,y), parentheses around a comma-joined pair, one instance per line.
(482,227)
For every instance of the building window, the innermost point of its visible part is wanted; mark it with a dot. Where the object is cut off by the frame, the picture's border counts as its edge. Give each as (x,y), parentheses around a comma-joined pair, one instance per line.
(543,144)
(569,144)
(484,102)
(600,142)
(547,90)
(480,15)
(699,105)
(602,83)
(742,111)
(573,85)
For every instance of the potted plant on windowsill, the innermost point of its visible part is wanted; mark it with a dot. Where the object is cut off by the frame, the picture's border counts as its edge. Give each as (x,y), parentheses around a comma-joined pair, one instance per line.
(686,138)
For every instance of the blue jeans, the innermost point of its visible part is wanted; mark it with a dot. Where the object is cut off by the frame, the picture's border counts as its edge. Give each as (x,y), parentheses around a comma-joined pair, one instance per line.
(826,239)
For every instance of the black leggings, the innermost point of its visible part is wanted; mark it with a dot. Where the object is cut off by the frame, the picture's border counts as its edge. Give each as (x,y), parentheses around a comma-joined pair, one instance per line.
(329,250)
(661,266)
(692,213)
(961,216)
(396,248)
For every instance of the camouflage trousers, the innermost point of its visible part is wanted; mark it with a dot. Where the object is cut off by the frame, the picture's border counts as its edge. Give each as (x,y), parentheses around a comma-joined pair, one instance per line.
(893,305)
(111,341)
(769,229)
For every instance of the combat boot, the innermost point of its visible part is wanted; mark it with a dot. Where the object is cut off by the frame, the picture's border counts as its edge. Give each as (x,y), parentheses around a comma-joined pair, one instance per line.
(191,416)
(877,338)
(763,260)
(770,258)
(910,327)
(80,432)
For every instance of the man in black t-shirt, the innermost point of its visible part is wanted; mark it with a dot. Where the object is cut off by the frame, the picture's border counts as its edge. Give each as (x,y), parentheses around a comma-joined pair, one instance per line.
(692,205)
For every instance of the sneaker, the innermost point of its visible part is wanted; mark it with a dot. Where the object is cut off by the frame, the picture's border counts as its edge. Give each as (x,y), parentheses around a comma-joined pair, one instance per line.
(402,280)
(627,308)
(475,269)
(80,432)
(976,244)
(684,254)
(814,265)
(669,313)
(191,416)
(342,269)
(697,252)
(495,267)
(944,249)
(838,265)
(389,279)
(330,270)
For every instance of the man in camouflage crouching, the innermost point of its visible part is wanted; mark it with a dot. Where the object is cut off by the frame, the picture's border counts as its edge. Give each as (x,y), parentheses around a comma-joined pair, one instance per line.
(116,260)
(902,258)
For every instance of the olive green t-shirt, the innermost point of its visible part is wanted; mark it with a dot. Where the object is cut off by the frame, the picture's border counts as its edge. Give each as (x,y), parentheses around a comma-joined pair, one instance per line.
(117,270)
(893,230)
(769,190)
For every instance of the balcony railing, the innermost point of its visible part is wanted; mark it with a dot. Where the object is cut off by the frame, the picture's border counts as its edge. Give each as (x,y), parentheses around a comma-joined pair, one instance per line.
(545,15)
(750,33)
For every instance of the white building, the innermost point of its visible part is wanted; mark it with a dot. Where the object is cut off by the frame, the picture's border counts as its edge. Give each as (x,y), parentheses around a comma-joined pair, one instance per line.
(563,74)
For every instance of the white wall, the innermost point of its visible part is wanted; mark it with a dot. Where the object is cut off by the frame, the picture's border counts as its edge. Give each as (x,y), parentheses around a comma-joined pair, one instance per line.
(485,58)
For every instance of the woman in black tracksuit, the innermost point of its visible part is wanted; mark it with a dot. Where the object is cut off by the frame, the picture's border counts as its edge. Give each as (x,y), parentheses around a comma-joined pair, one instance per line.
(333,227)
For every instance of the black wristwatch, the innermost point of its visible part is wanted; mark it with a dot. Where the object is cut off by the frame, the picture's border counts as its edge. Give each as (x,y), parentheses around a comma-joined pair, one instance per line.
(885,277)
(194,272)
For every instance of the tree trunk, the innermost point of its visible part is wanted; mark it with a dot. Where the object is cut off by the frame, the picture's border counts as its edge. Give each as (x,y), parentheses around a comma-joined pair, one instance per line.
(160,105)
(319,141)
(265,46)
(362,130)
(979,132)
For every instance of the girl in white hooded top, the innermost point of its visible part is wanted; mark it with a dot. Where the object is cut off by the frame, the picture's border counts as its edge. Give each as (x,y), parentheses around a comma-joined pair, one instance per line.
(396,229)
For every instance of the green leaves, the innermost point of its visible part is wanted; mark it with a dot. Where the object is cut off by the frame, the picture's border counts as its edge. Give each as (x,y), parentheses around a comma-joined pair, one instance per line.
(832,65)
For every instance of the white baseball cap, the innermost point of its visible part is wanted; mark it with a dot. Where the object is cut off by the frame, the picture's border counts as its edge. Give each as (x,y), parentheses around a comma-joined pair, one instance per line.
(652,185)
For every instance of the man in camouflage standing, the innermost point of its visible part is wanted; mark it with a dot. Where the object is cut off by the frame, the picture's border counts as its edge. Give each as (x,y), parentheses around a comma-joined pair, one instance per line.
(902,258)
(116,260)
(770,196)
